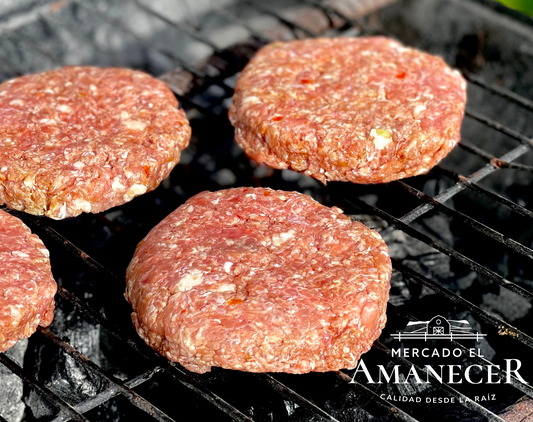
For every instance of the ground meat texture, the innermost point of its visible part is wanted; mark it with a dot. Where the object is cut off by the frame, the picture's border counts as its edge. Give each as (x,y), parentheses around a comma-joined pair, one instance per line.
(364,110)
(27,287)
(259,280)
(85,139)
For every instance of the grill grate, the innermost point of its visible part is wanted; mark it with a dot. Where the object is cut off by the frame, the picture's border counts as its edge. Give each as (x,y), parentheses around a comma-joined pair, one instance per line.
(202,80)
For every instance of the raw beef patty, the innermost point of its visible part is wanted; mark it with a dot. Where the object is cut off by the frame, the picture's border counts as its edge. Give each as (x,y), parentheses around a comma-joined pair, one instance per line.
(27,287)
(259,280)
(85,139)
(364,110)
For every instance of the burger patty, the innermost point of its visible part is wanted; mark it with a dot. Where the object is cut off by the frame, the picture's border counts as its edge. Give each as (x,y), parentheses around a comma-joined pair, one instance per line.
(85,139)
(364,110)
(259,280)
(27,287)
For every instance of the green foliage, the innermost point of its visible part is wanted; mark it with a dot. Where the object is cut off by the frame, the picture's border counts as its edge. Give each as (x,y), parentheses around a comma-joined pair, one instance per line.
(524,6)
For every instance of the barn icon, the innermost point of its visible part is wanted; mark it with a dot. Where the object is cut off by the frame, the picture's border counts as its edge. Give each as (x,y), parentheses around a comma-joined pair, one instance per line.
(438,326)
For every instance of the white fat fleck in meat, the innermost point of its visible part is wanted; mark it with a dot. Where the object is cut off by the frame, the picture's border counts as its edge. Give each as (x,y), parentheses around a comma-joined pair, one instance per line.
(62,211)
(134,124)
(190,208)
(64,108)
(48,121)
(16,102)
(287,235)
(375,234)
(418,109)
(29,181)
(226,287)
(134,191)
(45,252)
(381,137)
(188,281)
(117,186)
(227,266)
(81,204)
(78,165)
(251,100)
(14,311)
(20,254)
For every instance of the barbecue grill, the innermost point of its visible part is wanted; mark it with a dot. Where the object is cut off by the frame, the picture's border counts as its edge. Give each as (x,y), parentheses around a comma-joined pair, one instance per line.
(460,236)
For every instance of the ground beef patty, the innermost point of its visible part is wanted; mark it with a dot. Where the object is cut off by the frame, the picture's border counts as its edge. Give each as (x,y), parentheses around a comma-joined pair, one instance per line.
(27,287)
(85,139)
(364,110)
(259,280)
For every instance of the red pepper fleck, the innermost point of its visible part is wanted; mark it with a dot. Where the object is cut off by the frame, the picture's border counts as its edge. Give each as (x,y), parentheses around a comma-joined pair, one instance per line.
(146,170)
(182,311)
(401,75)
(234,301)
(306,81)
(277,118)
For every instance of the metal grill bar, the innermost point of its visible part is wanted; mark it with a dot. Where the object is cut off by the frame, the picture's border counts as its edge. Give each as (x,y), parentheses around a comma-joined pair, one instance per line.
(66,412)
(232,18)
(36,223)
(290,394)
(491,195)
(113,391)
(354,23)
(129,394)
(183,26)
(381,404)
(496,162)
(100,319)
(461,185)
(499,127)
(182,63)
(171,369)
(463,218)
(503,327)
(502,92)
(496,323)
(475,150)
(294,27)
(480,269)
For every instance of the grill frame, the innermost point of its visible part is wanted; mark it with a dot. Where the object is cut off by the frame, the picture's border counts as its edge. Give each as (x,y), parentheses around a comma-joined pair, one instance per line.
(201,82)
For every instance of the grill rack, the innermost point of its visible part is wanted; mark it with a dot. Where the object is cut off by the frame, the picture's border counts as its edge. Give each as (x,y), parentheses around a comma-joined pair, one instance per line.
(202,82)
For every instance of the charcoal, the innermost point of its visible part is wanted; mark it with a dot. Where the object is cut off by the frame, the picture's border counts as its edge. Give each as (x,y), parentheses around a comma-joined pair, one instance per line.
(70,380)
(509,305)
(11,404)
